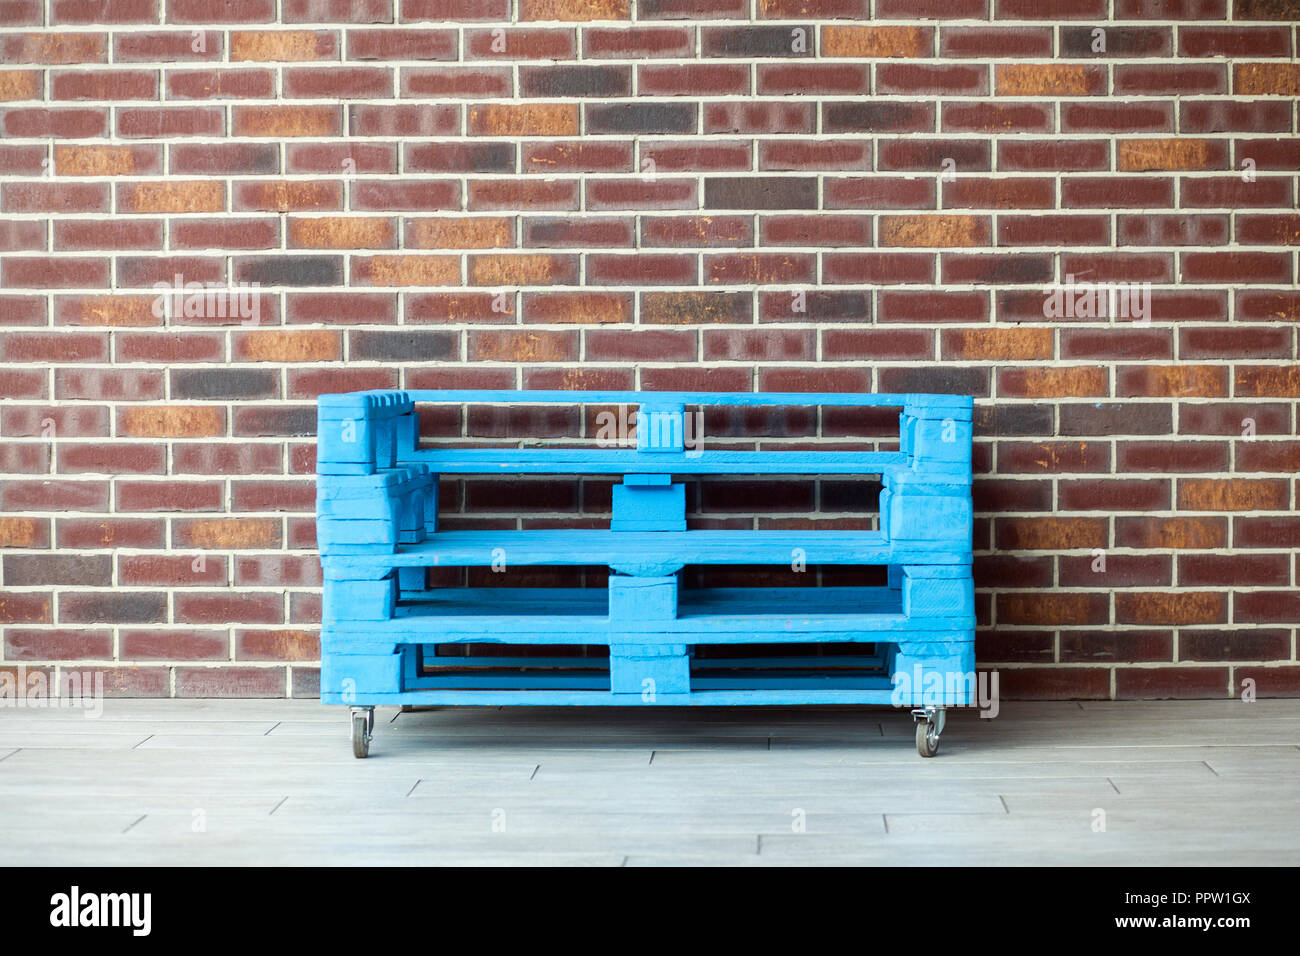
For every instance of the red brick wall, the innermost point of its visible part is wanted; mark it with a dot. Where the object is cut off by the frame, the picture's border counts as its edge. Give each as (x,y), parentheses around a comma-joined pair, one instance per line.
(648,181)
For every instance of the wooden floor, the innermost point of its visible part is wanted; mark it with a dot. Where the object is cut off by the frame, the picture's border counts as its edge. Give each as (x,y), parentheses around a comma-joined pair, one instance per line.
(274,782)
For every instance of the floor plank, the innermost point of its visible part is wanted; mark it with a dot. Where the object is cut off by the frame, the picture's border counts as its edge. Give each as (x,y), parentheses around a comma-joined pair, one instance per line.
(266,782)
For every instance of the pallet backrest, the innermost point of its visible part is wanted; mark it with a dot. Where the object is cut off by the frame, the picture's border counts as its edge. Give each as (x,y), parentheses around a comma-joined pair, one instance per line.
(377,488)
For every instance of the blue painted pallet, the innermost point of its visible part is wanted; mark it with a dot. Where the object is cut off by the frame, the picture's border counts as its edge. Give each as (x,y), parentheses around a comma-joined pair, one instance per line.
(644,639)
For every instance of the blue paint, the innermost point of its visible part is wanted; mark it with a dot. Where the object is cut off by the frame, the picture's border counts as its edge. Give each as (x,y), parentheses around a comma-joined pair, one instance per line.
(657,643)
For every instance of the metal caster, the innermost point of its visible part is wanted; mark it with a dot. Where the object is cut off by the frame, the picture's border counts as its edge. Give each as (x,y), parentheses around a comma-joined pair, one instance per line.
(929,725)
(363,726)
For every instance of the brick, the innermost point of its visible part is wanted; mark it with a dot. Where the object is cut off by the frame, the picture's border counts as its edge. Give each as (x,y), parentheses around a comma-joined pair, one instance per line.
(718,79)
(57,123)
(168,46)
(1149,40)
(23,644)
(692,9)
(977,41)
(171,197)
(456,82)
(1052,155)
(1176,533)
(1218,116)
(283,45)
(1056,608)
(585,308)
(1174,608)
(934,231)
(877,268)
(1266,380)
(824,231)
(694,307)
(569,156)
(642,268)
(877,117)
(483,232)
(1234,41)
(648,117)
(100,85)
(521,43)
(1111,117)
(1266,79)
(877,344)
(535,194)
(20,85)
(759,268)
(574,9)
(396,270)
(224,158)
(278,121)
(523,269)
(455,10)
(525,119)
(403,120)
(1064,382)
(54,48)
(997,118)
(286,196)
(1050,533)
(1117,192)
(831,78)
(1213,192)
(759,117)
(54,197)
(862,42)
(1112,495)
(639,42)
(402,44)
(1170,682)
(518,345)
(575,81)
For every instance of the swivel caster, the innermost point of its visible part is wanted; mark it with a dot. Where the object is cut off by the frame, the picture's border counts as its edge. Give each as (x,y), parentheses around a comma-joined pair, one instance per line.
(363,725)
(929,725)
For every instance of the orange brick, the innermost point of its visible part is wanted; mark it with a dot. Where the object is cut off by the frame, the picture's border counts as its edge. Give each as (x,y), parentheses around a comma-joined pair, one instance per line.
(276,121)
(524,119)
(289,195)
(1267,79)
(1175,533)
(1170,607)
(1138,155)
(20,84)
(876,41)
(282,645)
(173,196)
(20,533)
(997,344)
(1052,608)
(336,232)
(406,270)
(1072,382)
(943,230)
(117,310)
(174,421)
(578,307)
(513,270)
(220,533)
(1046,79)
(518,345)
(572,10)
(94,160)
(283,45)
(454,233)
(299,345)
(1232,494)
(1056,534)
(1281,381)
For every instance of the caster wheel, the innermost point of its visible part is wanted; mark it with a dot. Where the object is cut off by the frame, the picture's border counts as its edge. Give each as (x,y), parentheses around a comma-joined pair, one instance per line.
(927,738)
(362,725)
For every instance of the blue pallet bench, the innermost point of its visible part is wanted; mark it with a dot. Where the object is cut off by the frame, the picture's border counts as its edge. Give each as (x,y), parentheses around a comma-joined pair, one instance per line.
(388,638)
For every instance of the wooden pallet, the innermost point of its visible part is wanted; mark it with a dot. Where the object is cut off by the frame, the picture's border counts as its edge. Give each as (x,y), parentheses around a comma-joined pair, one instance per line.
(389,639)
